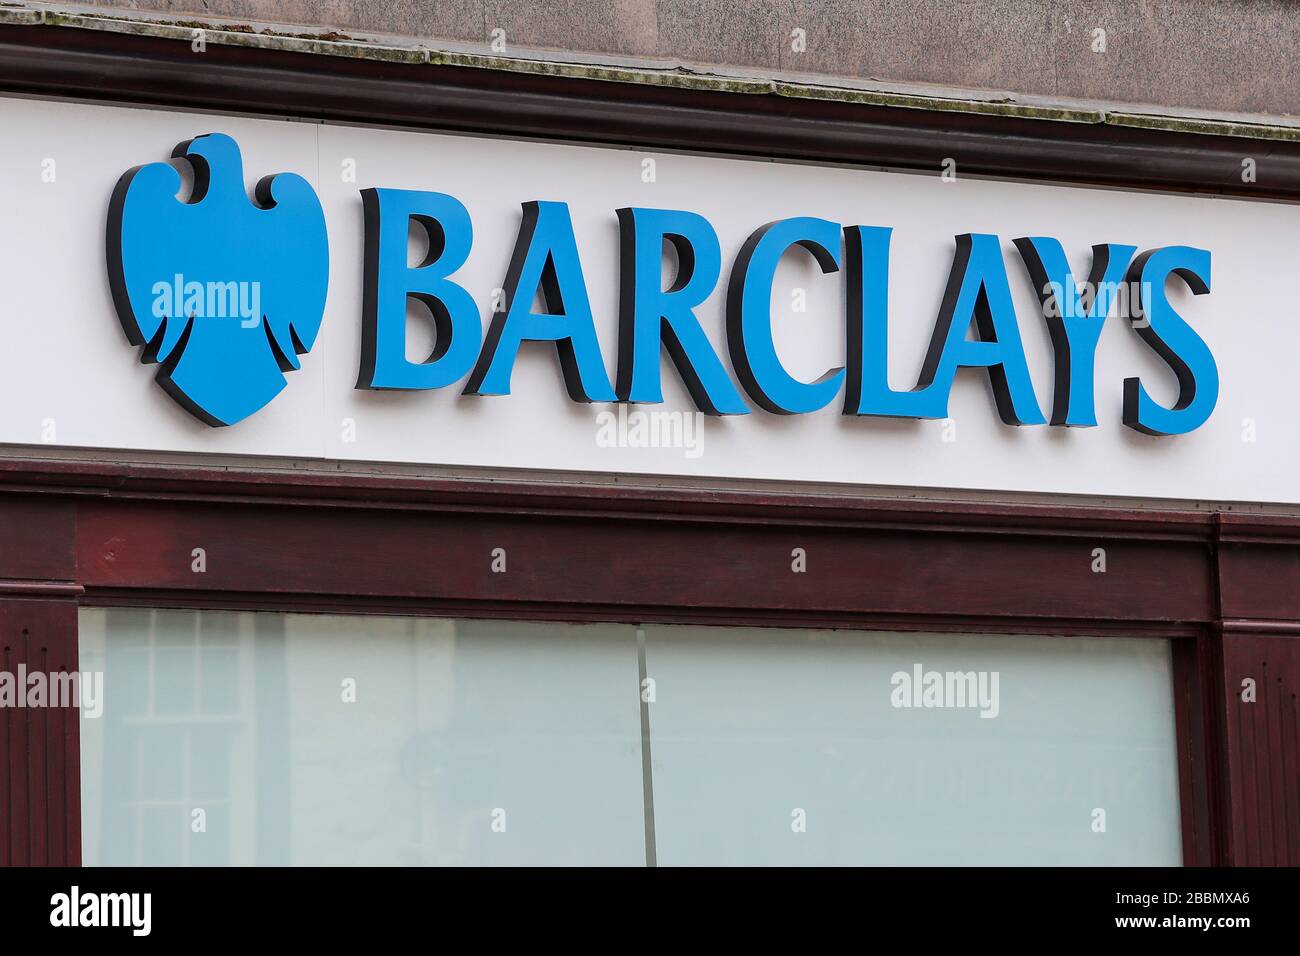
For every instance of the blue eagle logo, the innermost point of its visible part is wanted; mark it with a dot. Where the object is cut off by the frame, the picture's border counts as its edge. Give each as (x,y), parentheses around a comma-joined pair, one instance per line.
(222,292)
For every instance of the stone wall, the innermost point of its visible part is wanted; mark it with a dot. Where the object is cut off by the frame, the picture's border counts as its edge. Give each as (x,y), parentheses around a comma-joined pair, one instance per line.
(1198,55)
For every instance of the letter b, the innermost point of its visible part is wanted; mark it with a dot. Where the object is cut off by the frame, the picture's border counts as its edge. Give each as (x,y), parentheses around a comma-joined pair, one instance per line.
(389,282)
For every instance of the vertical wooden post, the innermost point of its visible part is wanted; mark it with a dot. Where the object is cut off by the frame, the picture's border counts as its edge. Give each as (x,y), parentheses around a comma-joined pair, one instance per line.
(40,760)
(1259,682)
(1261,678)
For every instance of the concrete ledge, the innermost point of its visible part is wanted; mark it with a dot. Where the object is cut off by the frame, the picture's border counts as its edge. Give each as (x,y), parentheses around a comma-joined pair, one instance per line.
(222,32)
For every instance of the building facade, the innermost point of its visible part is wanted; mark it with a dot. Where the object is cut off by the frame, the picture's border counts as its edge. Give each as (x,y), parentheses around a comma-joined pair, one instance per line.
(656,435)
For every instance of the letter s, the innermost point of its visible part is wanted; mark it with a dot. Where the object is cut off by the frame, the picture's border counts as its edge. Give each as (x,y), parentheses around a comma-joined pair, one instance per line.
(1173,340)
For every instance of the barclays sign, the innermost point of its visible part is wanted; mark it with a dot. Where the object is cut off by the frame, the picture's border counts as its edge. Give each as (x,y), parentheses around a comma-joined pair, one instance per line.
(225,294)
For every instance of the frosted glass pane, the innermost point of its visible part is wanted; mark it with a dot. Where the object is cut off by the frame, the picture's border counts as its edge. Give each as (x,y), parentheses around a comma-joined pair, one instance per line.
(467,743)
(757,732)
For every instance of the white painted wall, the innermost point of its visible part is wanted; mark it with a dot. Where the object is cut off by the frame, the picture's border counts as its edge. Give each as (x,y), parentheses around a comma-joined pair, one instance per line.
(67,363)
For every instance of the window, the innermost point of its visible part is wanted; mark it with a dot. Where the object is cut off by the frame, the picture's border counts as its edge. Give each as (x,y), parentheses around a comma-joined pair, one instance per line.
(268,738)
(752,725)
(360,740)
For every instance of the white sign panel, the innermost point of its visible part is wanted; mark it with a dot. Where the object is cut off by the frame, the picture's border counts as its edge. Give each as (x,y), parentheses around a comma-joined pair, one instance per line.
(73,377)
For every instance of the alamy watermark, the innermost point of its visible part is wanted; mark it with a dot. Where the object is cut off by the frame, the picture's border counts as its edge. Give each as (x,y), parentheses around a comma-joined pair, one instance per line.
(208,300)
(656,429)
(76,908)
(946,689)
(56,689)
(1127,297)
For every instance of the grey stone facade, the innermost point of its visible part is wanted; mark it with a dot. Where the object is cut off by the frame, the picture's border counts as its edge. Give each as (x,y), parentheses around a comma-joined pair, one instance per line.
(1202,56)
